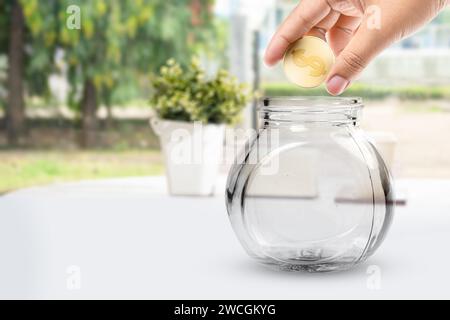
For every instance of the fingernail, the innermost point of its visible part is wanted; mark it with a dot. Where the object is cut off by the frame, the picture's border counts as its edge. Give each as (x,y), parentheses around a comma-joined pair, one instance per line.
(268,63)
(337,84)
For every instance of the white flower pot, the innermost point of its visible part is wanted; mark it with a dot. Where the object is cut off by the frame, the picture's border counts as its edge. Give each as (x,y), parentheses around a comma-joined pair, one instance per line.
(192,154)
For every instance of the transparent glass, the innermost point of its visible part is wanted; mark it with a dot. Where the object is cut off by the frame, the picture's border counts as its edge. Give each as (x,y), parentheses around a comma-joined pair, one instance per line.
(310,192)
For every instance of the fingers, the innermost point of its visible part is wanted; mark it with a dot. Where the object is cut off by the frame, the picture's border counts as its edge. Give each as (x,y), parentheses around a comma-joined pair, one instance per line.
(321,29)
(306,15)
(395,20)
(363,47)
(342,32)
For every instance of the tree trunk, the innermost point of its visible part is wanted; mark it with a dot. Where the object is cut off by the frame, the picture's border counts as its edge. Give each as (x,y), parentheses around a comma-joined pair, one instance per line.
(109,112)
(89,115)
(15,111)
(109,117)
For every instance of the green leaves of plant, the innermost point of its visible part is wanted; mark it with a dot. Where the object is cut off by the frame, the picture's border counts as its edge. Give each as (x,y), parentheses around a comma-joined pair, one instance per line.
(186,94)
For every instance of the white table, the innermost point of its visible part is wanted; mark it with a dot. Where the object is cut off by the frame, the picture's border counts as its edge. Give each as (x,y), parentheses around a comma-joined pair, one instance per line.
(127,239)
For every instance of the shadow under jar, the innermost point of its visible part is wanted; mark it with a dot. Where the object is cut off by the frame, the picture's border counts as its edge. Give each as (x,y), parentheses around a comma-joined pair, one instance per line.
(310,192)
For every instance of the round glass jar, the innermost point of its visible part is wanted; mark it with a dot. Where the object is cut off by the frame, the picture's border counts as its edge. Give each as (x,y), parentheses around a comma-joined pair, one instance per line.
(310,192)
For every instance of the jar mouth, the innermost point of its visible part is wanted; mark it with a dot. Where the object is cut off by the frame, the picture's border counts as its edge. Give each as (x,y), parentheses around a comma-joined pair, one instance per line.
(310,104)
(276,111)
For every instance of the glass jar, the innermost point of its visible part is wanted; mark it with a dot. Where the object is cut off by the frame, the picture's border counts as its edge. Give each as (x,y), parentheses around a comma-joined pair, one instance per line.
(310,192)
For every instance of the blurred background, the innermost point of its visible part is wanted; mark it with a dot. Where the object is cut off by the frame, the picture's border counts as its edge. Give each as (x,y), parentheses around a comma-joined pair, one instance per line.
(74,93)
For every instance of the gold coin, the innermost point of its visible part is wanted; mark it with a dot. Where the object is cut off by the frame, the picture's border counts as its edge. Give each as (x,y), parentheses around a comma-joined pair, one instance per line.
(308,61)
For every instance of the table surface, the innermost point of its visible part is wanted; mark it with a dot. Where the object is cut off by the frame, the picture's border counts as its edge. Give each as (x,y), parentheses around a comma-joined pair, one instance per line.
(126,238)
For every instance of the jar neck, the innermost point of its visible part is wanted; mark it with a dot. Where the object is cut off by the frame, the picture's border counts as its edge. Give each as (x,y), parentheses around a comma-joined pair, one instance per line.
(278,119)
(310,111)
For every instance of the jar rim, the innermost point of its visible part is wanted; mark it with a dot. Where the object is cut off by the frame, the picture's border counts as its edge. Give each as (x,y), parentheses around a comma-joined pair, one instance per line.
(309,104)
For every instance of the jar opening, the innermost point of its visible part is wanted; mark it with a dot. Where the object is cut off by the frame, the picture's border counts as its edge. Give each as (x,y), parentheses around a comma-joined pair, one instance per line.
(310,104)
(278,110)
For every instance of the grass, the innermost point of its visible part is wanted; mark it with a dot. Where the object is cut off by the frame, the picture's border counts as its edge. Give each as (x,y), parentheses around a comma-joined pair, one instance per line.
(367,91)
(20,169)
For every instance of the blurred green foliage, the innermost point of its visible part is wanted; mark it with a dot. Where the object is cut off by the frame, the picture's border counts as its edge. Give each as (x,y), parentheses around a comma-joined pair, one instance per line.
(38,57)
(118,44)
(187,94)
(40,43)
(367,91)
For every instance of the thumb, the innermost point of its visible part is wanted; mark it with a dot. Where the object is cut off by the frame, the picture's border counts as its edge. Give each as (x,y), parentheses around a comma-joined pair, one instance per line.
(360,51)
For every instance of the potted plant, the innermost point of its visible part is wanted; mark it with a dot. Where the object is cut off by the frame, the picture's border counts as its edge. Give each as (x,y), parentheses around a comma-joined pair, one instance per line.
(191,111)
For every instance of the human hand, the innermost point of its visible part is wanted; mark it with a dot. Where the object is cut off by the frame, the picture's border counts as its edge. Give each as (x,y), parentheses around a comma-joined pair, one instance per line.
(357,31)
